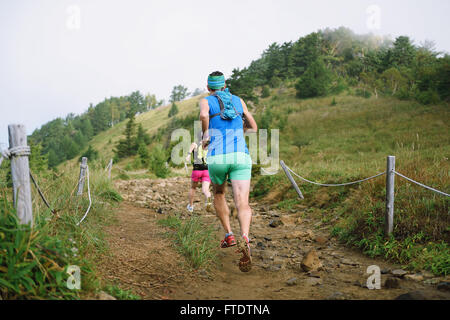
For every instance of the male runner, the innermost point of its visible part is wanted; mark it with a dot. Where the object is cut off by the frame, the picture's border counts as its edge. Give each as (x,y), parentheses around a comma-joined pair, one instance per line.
(222,115)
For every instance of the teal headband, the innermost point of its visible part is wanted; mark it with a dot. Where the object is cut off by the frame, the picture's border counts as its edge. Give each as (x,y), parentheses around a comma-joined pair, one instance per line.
(216,82)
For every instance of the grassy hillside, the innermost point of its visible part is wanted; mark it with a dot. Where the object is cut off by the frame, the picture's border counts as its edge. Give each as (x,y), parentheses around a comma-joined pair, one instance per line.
(344,140)
(349,140)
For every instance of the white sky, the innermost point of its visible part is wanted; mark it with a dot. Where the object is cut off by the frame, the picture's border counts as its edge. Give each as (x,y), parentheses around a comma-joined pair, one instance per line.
(50,65)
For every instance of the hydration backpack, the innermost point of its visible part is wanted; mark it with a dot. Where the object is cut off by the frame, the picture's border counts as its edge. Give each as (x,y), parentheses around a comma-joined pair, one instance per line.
(227,109)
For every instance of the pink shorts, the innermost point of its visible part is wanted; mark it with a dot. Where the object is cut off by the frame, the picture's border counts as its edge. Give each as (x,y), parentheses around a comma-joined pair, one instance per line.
(200,176)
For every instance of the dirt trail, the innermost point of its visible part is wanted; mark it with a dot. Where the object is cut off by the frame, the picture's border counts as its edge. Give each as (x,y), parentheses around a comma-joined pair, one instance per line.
(144,260)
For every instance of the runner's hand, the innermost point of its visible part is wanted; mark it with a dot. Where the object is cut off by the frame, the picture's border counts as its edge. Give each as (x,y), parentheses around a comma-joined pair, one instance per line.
(205,143)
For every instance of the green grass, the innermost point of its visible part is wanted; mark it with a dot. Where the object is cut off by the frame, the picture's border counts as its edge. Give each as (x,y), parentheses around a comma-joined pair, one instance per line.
(34,261)
(193,239)
(120,294)
(351,140)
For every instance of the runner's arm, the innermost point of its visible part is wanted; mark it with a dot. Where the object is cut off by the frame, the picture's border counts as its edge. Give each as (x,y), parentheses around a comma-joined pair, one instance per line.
(251,121)
(204,118)
(192,148)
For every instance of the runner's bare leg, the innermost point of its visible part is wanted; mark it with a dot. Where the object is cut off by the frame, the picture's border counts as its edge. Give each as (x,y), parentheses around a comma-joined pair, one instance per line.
(192,192)
(221,206)
(241,190)
(205,189)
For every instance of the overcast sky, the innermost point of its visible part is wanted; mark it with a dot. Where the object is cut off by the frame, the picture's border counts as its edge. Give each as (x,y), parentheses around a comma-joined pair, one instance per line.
(58,56)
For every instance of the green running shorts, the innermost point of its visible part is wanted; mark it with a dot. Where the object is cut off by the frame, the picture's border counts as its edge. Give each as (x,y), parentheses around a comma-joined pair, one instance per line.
(236,165)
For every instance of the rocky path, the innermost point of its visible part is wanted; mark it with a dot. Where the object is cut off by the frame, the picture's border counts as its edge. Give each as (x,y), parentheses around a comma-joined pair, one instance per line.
(293,256)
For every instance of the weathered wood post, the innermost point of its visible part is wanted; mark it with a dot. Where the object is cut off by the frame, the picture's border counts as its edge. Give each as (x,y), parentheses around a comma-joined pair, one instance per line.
(109,168)
(390,182)
(20,172)
(288,174)
(83,167)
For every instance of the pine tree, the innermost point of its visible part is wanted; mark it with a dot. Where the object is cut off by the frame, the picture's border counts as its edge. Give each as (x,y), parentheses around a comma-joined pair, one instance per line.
(127,147)
(173,110)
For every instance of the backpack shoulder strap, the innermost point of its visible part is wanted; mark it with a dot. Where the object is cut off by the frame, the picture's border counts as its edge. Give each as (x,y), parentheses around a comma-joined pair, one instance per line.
(221,107)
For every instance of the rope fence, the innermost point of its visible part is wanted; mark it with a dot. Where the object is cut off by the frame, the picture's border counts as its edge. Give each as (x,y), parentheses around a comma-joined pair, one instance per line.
(390,172)
(422,185)
(21,174)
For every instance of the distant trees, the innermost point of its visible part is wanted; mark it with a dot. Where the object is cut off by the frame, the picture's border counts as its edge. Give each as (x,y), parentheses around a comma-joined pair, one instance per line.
(135,136)
(64,139)
(330,61)
(178,93)
(197,92)
(151,102)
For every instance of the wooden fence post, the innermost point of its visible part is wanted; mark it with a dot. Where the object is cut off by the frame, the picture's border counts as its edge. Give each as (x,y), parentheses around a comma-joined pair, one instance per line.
(390,183)
(83,167)
(288,174)
(20,172)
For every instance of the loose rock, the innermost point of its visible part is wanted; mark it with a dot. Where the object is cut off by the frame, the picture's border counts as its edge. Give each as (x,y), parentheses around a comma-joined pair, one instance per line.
(444,286)
(399,273)
(336,296)
(102,295)
(414,277)
(414,295)
(275,223)
(311,261)
(321,240)
(313,281)
(292,282)
(392,283)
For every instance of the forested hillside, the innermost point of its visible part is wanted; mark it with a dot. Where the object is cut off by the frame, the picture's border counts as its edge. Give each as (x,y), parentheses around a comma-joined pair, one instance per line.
(330,61)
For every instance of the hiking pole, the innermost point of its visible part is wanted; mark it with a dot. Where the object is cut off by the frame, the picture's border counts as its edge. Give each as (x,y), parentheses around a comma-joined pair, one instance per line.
(185,166)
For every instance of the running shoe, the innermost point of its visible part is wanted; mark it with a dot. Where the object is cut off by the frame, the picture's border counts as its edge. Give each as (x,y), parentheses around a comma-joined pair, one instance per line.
(190,208)
(245,263)
(229,241)
(208,205)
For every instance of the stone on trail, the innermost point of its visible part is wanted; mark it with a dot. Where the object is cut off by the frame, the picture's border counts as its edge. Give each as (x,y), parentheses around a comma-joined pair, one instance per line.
(349,262)
(294,234)
(313,281)
(336,296)
(311,261)
(399,273)
(289,220)
(275,223)
(292,282)
(392,283)
(444,286)
(102,295)
(414,277)
(431,281)
(320,240)
(414,295)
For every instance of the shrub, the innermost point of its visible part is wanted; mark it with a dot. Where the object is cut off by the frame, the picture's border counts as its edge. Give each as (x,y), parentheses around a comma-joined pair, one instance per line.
(90,153)
(158,162)
(265,92)
(428,97)
(362,93)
